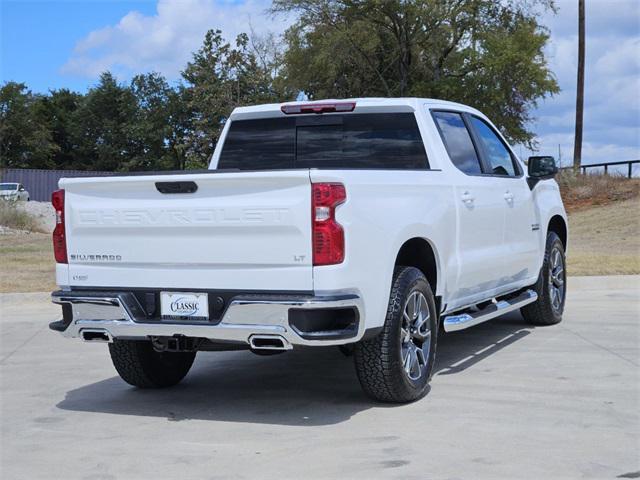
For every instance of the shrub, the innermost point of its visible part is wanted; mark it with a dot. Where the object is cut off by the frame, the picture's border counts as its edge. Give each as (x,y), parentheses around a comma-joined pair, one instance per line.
(12,216)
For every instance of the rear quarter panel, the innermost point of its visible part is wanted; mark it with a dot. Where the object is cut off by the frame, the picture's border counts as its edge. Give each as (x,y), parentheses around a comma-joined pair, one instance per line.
(383,210)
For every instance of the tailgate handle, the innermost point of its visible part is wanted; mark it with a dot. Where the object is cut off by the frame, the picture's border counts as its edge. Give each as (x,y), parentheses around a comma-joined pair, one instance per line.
(176,187)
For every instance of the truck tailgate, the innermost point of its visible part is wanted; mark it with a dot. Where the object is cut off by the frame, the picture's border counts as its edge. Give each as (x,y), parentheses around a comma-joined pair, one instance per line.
(239,230)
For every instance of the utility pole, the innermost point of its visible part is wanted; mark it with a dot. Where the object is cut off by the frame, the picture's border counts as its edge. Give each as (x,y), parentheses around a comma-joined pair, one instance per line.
(577,146)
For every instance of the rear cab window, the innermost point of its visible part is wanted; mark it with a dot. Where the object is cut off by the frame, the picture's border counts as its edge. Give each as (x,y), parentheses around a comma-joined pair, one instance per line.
(330,141)
(473,145)
(457,141)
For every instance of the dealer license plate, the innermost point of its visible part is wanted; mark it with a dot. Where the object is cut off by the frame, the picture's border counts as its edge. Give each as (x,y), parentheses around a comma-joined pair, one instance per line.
(184,306)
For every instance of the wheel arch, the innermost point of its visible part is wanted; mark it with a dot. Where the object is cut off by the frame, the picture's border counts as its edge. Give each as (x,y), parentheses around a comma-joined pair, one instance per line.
(418,252)
(558,225)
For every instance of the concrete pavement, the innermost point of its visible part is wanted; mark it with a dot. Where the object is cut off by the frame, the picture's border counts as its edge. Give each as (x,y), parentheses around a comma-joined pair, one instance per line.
(508,402)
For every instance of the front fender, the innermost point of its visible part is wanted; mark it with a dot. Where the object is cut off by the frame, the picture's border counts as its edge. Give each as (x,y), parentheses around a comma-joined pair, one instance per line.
(548,204)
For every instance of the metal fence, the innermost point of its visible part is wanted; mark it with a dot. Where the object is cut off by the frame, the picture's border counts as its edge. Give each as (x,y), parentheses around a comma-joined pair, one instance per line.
(624,167)
(628,163)
(41,183)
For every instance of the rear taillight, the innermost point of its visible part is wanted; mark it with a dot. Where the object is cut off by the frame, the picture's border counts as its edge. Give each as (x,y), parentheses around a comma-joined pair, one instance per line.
(328,235)
(59,237)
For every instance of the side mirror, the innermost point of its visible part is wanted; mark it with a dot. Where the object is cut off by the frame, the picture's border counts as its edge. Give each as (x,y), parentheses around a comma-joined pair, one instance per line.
(22,189)
(541,168)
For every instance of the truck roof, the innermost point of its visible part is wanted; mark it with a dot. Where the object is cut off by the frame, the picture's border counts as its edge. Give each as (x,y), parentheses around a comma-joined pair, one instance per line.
(368,103)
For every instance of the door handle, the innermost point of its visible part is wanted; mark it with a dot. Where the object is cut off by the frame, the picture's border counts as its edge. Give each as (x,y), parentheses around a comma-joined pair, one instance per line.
(508,196)
(467,198)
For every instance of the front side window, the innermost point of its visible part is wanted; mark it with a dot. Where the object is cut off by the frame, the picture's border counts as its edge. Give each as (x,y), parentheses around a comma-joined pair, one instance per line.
(458,142)
(496,152)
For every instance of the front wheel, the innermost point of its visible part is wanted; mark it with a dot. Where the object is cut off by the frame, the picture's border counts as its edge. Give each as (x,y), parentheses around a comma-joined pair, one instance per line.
(141,366)
(551,286)
(396,365)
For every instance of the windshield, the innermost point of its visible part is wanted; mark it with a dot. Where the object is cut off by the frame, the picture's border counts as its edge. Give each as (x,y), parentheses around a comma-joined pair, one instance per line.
(8,186)
(365,140)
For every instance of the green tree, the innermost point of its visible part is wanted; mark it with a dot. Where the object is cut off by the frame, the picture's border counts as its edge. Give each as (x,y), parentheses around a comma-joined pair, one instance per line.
(151,126)
(208,95)
(485,53)
(105,127)
(219,78)
(163,124)
(180,129)
(25,137)
(58,109)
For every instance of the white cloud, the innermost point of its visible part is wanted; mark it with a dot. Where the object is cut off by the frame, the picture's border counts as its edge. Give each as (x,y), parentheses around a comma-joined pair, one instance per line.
(623,60)
(164,41)
(560,145)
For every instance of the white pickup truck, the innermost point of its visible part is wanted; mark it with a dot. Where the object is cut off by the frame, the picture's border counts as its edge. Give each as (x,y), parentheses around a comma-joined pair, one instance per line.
(372,222)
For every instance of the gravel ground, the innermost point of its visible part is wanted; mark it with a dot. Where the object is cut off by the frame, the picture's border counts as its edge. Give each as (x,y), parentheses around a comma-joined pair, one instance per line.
(12,231)
(43,212)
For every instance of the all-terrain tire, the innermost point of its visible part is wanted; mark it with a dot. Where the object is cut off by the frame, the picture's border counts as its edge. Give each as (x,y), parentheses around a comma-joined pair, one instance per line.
(546,310)
(379,363)
(141,366)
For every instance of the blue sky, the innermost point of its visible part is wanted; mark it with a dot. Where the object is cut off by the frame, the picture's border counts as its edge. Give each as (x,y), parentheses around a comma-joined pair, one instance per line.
(38,37)
(65,43)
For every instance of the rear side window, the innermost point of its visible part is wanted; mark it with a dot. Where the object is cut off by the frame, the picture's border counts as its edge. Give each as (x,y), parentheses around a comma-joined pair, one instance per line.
(495,151)
(375,141)
(458,142)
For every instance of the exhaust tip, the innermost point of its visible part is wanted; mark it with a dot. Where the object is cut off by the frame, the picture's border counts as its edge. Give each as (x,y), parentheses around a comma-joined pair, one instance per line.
(96,335)
(269,342)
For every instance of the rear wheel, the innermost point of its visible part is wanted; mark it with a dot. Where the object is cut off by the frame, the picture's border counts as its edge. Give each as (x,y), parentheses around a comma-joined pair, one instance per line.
(396,365)
(140,365)
(551,286)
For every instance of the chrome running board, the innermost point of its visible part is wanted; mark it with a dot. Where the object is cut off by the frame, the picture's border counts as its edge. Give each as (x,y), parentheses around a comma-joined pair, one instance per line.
(461,321)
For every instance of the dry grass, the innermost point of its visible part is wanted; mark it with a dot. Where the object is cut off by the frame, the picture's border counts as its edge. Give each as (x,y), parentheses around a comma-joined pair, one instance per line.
(13,217)
(27,263)
(580,192)
(605,240)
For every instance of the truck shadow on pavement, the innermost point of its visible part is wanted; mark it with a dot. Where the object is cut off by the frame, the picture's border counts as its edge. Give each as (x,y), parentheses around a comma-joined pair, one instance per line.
(306,387)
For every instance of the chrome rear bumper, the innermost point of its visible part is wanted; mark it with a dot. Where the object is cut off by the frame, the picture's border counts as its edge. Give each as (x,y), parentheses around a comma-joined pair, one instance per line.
(243,318)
